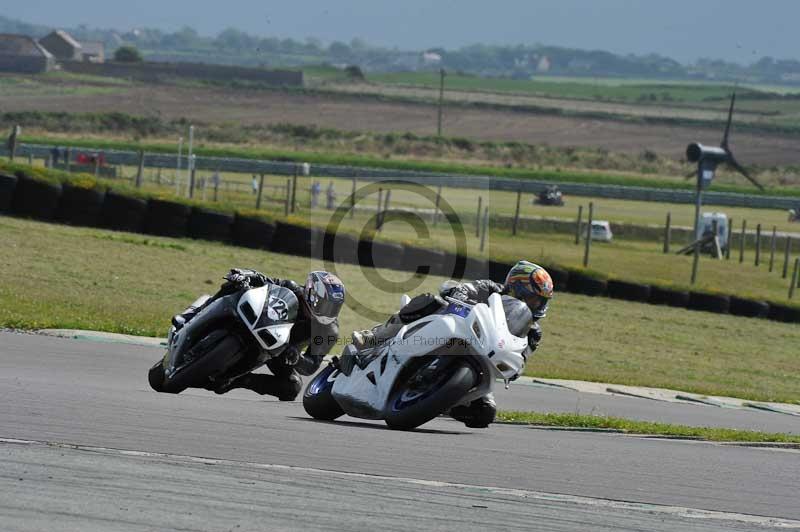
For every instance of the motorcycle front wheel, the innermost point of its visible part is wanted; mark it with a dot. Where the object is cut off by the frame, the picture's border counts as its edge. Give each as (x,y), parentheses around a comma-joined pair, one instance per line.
(318,401)
(211,356)
(413,404)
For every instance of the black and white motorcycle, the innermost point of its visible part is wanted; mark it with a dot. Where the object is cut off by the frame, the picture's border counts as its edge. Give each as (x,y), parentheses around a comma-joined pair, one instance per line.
(432,364)
(230,337)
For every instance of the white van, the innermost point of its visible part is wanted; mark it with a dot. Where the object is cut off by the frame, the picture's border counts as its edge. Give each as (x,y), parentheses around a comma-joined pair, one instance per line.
(601,230)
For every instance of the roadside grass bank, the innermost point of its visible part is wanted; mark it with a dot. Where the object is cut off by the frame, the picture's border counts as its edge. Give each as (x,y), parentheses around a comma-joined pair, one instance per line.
(57,276)
(629,426)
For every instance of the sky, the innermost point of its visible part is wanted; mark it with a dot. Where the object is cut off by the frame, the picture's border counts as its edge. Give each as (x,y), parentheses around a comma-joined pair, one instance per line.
(734,30)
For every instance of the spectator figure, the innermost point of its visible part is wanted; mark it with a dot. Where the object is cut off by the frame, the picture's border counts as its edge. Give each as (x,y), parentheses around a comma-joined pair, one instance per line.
(316,190)
(255,185)
(331,196)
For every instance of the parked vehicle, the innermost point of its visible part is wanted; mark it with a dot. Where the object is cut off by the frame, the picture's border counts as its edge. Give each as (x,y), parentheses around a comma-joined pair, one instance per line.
(794,214)
(706,227)
(601,230)
(550,196)
(448,358)
(229,338)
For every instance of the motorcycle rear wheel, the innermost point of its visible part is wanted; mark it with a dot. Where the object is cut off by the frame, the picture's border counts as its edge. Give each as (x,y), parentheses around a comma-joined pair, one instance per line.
(318,401)
(450,387)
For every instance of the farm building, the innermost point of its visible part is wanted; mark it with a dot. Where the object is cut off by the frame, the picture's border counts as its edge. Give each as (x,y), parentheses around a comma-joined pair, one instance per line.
(20,53)
(93,51)
(62,45)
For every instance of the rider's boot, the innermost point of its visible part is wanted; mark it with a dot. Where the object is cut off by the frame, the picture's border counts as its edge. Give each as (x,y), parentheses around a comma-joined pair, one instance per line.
(377,335)
(478,414)
(284,387)
(179,320)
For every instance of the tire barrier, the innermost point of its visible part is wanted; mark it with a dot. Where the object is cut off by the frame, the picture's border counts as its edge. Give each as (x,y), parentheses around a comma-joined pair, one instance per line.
(7,185)
(628,291)
(210,225)
(748,308)
(252,233)
(669,297)
(123,213)
(81,206)
(720,304)
(34,198)
(784,313)
(559,276)
(476,269)
(293,240)
(387,255)
(167,218)
(580,283)
(422,260)
(340,248)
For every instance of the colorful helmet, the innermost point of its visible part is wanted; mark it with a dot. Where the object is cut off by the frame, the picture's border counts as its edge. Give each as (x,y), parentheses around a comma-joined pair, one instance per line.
(324,296)
(532,284)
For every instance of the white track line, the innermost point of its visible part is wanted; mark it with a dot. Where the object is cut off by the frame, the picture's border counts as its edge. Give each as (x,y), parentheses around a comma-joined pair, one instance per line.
(676,511)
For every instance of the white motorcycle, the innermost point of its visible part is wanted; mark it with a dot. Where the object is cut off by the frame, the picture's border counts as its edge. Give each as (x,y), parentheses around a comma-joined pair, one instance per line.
(232,336)
(442,360)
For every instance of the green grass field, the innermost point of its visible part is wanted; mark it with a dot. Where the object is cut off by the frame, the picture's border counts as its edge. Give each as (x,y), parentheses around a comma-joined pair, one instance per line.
(61,276)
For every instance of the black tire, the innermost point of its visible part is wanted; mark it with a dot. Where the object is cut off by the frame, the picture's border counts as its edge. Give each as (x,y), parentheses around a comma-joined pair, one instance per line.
(252,232)
(476,268)
(784,313)
(628,291)
(222,350)
(709,302)
(666,296)
(422,261)
(34,198)
(387,255)
(749,308)
(210,225)
(7,185)
(167,218)
(498,271)
(81,206)
(123,213)
(580,283)
(453,266)
(338,248)
(560,278)
(318,401)
(155,376)
(293,240)
(454,383)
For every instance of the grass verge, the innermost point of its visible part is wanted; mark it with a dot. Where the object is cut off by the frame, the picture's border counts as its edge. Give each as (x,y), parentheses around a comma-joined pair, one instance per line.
(645,427)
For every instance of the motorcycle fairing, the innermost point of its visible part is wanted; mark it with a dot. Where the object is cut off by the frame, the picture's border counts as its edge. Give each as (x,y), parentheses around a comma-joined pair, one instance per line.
(269,313)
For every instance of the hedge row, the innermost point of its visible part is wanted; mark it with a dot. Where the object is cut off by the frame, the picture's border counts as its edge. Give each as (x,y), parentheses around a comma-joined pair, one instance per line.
(67,202)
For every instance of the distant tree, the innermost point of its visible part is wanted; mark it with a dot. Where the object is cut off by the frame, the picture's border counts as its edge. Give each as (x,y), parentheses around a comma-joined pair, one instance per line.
(128,54)
(354,73)
(339,49)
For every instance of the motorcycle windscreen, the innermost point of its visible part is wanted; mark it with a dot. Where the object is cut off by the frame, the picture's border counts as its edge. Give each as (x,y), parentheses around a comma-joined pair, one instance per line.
(274,325)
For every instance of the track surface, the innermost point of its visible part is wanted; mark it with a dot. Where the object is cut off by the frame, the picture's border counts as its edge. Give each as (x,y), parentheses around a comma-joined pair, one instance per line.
(92,394)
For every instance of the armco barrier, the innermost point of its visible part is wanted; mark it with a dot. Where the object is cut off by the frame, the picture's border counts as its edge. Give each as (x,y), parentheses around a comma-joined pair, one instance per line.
(527,186)
(132,214)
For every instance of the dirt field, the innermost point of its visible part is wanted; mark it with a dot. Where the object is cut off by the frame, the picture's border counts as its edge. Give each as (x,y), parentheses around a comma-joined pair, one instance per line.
(348,113)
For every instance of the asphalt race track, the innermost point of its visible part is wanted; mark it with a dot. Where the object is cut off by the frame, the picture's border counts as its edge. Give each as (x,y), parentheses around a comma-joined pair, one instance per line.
(86,445)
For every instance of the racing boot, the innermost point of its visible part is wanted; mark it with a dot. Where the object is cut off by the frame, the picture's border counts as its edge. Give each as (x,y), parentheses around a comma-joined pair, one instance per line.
(478,414)
(378,335)
(179,320)
(285,387)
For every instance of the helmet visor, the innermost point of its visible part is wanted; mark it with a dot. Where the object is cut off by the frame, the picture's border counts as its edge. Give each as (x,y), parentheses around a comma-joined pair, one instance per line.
(326,310)
(537,304)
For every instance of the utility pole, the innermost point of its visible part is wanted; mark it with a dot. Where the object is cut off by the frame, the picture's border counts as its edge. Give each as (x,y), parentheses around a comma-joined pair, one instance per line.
(442,74)
(178,168)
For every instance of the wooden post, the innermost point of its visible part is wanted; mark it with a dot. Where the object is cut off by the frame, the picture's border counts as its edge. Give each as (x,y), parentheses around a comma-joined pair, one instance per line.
(741,241)
(30,159)
(13,141)
(140,171)
(260,192)
(578,225)
(436,207)
(192,176)
(758,244)
(588,247)
(794,277)
(216,189)
(353,200)
(158,176)
(485,227)
(294,189)
(97,166)
(382,211)
(695,263)
(786,251)
(288,197)
(478,218)
(772,248)
(441,104)
(729,240)
(67,159)
(667,232)
(378,212)
(516,214)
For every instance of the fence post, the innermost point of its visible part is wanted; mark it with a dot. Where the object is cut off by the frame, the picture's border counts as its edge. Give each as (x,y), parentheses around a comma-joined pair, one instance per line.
(30,159)
(140,170)
(260,192)
(68,159)
(741,241)
(382,212)
(516,213)
(192,175)
(758,244)
(787,250)
(667,232)
(378,212)
(772,248)
(485,227)
(288,197)
(436,207)
(578,225)
(12,141)
(588,247)
(794,277)
(729,240)
(353,199)
(478,218)
(294,189)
